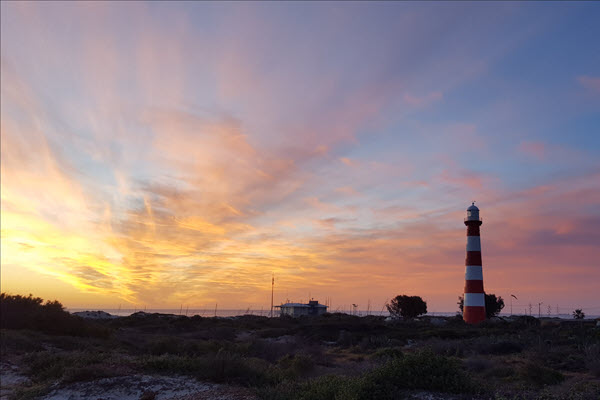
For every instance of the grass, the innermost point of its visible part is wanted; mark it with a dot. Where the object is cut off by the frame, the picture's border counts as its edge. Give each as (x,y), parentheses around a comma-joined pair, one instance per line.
(421,370)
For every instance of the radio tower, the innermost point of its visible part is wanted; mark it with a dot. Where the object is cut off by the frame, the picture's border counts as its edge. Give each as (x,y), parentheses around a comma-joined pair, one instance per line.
(474,300)
(272,288)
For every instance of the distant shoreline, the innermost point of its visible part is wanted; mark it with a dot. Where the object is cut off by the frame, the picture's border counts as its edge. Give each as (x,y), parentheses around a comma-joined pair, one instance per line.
(206,312)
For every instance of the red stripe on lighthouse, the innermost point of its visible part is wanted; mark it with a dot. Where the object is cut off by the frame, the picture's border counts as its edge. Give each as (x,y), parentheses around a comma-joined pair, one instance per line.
(473,258)
(472,230)
(473,286)
(476,314)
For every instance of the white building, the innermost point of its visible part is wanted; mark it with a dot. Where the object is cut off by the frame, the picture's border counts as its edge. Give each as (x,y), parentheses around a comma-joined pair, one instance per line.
(296,309)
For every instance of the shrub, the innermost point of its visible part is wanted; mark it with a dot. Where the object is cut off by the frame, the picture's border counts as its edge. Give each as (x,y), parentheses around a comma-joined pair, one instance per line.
(388,353)
(19,341)
(297,365)
(165,345)
(49,366)
(86,373)
(20,312)
(478,364)
(502,348)
(578,314)
(539,375)
(592,358)
(407,306)
(420,370)
(220,367)
(270,350)
(328,387)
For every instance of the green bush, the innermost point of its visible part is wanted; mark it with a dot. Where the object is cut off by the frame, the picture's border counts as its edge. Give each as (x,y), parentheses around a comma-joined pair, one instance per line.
(420,370)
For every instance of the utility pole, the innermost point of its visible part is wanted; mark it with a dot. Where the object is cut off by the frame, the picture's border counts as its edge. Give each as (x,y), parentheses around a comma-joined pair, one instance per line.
(511,296)
(272,288)
(540,310)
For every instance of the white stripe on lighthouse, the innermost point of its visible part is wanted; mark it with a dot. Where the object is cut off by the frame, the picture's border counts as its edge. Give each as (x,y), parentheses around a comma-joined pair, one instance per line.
(473,243)
(474,273)
(474,300)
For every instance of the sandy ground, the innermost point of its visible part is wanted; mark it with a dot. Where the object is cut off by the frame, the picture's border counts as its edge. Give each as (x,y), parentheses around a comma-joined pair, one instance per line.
(133,387)
(10,379)
(146,387)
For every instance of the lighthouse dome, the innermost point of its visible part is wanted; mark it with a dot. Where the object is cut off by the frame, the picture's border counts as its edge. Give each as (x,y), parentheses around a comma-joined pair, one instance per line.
(473,213)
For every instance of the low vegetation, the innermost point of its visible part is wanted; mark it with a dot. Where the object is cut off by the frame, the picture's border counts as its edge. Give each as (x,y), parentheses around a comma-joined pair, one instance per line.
(334,356)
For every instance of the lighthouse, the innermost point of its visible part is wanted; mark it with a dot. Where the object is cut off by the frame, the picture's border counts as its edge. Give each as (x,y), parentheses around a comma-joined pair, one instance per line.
(474,300)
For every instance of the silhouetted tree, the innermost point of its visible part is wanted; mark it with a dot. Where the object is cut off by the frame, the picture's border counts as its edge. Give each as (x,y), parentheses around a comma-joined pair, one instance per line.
(407,306)
(578,314)
(493,305)
(28,312)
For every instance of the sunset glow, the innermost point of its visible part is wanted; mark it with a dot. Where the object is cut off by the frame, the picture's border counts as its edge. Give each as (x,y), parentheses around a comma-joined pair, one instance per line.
(159,154)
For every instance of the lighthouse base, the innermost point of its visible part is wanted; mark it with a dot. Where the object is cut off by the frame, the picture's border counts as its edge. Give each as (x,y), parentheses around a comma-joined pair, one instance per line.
(473,315)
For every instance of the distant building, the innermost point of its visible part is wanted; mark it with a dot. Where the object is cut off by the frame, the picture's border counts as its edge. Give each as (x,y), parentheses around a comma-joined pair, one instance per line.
(296,309)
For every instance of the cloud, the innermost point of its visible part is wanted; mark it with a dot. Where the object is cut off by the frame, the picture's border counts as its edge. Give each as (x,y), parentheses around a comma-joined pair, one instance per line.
(348,161)
(347,190)
(590,83)
(156,164)
(422,101)
(536,150)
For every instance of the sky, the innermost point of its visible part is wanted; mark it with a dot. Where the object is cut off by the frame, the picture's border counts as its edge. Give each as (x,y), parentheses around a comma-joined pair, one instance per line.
(165,154)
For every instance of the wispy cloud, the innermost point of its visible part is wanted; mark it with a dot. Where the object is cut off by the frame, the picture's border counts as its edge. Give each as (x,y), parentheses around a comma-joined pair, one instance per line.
(589,82)
(167,154)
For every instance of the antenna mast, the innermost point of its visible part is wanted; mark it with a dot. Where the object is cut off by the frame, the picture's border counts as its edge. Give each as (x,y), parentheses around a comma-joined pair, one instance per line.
(272,288)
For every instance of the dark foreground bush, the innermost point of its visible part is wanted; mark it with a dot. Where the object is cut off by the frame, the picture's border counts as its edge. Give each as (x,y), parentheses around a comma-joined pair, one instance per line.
(20,312)
(423,370)
(220,367)
(539,375)
(45,366)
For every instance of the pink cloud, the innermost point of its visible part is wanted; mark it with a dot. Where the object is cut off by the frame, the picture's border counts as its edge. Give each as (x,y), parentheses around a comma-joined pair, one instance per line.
(420,101)
(590,83)
(347,190)
(537,150)
(349,162)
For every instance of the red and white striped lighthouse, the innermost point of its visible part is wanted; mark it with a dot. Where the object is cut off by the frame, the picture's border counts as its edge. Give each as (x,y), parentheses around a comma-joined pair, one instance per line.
(474,300)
